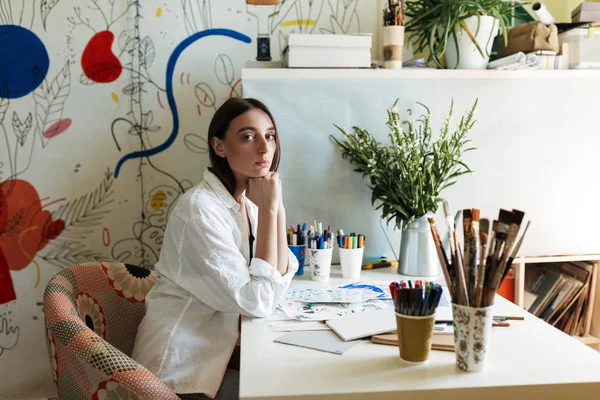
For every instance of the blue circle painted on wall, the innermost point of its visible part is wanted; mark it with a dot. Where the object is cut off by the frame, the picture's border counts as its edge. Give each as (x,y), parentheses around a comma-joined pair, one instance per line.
(24,61)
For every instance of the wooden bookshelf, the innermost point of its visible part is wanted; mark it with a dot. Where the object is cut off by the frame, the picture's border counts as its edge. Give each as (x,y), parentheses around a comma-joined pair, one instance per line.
(519,265)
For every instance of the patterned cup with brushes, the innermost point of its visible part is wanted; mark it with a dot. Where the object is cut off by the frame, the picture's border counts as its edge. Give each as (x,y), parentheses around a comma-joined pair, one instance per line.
(472,334)
(474,275)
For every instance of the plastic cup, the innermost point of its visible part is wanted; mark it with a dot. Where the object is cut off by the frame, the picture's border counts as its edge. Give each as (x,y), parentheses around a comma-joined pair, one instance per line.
(472,334)
(414,337)
(320,263)
(351,262)
(300,253)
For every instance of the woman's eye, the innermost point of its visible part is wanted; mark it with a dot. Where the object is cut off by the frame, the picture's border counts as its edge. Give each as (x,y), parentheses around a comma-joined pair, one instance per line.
(271,136)
(247,137)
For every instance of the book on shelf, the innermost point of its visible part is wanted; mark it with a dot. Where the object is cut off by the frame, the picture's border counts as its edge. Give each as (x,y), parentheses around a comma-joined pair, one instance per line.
(562,294)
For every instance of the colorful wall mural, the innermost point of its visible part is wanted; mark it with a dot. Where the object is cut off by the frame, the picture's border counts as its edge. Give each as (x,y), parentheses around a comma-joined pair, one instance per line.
(104,108)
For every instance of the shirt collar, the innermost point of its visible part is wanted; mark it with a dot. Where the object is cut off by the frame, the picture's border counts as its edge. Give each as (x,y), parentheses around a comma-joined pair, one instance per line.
(222,193)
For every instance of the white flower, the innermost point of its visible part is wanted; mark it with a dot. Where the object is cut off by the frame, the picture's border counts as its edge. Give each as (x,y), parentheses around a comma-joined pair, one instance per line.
(91,313)
(131,281)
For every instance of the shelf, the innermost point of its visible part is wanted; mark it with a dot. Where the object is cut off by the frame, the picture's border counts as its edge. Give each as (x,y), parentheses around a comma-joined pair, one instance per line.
(588,339)
(412,73)
(518,267)
(561,258)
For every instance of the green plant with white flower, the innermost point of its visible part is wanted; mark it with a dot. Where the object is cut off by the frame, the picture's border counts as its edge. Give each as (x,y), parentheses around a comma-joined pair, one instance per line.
(408,175)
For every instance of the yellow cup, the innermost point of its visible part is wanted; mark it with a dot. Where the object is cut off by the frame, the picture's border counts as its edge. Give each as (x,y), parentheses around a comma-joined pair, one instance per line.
(414,336)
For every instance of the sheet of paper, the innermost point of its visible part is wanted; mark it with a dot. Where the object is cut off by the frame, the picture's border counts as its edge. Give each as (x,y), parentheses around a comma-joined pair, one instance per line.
(326,341)
(278,315)
(295,325)
(331,295)
(381,291)
(327,311)
(443,312)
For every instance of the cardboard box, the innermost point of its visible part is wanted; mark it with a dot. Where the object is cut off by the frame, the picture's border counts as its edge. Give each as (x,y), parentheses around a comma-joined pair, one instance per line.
(586,12)
(528,38)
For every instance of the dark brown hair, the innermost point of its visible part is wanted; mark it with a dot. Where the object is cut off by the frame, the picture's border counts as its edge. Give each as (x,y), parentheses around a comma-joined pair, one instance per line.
(219,124)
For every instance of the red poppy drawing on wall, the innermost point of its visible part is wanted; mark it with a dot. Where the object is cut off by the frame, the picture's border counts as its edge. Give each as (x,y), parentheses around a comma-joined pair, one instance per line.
(25,228)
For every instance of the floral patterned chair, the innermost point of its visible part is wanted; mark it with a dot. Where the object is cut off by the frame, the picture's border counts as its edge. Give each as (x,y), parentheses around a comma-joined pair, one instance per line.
(92,313)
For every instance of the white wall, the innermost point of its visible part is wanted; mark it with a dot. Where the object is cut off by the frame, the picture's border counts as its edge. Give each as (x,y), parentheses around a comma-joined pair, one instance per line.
(536,137)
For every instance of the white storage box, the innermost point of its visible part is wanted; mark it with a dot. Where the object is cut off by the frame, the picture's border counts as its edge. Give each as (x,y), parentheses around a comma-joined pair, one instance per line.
(328,51)
(584,48)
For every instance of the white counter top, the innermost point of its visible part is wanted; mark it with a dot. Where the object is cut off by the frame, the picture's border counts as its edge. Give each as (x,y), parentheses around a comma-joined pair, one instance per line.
(529,359)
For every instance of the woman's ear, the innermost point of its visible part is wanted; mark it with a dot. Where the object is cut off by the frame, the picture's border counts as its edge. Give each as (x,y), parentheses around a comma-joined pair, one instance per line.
(217,145)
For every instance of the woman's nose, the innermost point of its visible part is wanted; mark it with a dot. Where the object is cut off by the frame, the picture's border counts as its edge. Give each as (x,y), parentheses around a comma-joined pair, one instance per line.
(262,146)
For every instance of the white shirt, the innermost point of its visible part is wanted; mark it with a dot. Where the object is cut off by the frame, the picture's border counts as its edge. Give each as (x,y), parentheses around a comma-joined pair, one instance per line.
(205,280)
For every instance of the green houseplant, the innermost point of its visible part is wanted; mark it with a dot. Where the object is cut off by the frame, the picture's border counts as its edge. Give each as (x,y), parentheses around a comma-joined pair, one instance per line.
(408,175)
(436,25)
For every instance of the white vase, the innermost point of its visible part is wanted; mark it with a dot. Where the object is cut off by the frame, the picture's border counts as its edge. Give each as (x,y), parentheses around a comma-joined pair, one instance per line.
(393,43)
(464,54)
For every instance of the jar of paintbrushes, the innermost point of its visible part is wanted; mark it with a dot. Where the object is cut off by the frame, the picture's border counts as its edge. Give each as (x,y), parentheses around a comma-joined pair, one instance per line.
(473,273)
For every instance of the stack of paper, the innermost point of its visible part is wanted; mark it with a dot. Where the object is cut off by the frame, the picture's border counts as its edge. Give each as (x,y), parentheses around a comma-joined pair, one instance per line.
(537,60)
(355,311)
(333,303)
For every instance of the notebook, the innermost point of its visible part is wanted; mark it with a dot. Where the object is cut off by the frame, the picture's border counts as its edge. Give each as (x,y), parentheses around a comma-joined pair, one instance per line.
(360,325)
(319,340)
(438,342)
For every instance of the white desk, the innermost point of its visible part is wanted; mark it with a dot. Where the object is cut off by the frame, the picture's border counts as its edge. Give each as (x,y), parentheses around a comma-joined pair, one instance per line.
(528,360)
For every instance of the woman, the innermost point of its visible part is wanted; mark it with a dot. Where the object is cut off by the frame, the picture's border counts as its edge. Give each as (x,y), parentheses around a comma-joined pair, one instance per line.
(211,268)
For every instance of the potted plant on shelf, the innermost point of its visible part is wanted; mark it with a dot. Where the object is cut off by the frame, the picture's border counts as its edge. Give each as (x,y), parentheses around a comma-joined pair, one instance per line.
(462,30)
(408,175)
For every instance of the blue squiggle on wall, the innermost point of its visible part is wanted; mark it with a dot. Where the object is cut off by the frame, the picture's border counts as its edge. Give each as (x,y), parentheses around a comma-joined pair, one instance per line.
(171,99)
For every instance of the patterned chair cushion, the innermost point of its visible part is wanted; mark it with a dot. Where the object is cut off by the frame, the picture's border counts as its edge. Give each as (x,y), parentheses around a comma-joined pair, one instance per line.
(92,314)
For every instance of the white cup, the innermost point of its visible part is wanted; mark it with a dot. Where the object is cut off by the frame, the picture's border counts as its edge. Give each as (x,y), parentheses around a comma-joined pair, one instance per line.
(320,263)
(351,262)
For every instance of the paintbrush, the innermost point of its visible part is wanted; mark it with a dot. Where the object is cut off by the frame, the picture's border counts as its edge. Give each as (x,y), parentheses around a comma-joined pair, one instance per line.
(511,237)
(467,234)
(443,258)
(487,269)
(515,251)
(446,240)
(484,227)
(461,289)
(474,254)
(492,274)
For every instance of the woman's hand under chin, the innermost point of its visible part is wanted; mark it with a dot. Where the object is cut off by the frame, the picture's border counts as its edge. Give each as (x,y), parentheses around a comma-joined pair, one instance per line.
(265,192)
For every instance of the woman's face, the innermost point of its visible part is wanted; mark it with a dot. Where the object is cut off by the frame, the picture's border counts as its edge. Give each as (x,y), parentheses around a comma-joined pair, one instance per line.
(249,145)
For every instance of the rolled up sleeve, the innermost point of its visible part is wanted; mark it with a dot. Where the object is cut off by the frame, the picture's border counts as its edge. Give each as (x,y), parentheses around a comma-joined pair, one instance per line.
(212,268)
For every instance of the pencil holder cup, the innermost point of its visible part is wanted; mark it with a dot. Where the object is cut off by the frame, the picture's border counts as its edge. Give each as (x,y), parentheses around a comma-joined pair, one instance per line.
(300,253)
(414,336)
(472,334)
(393,43)
(320,263)
(351,262)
